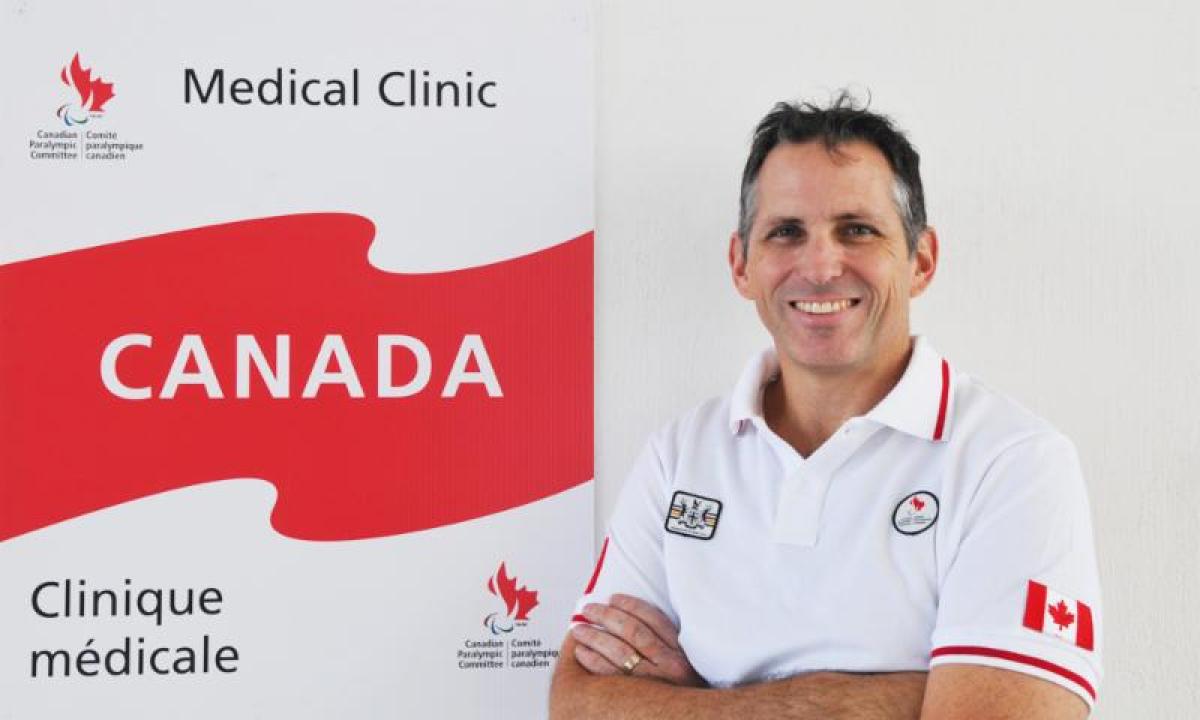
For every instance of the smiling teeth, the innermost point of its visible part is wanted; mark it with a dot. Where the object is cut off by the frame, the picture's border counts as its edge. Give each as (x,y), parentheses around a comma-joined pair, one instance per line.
(822,308)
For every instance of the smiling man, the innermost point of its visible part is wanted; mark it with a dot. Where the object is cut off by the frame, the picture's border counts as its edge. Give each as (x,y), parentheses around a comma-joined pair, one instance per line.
(859,530)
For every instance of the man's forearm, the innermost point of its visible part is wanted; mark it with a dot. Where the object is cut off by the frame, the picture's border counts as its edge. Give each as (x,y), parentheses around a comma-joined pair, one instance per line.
(576,693)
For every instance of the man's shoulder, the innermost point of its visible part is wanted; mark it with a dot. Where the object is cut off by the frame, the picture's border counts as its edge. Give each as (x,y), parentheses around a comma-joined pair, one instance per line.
(987,418)
(709,421)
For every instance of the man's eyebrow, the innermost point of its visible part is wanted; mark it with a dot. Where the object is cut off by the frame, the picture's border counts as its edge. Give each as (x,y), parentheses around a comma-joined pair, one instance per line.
(784,220)
(857,215)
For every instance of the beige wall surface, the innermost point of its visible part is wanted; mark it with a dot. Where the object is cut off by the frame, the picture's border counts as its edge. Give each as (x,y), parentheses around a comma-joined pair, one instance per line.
(1061,147)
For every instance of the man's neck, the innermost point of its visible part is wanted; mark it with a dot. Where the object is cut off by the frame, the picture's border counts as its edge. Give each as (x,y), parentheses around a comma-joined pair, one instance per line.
(806,408)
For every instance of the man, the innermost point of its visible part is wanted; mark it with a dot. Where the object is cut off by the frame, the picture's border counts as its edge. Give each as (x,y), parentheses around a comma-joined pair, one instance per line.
(858,531)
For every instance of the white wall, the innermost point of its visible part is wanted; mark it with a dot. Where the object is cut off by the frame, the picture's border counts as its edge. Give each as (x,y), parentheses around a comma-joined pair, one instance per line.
(1061,147)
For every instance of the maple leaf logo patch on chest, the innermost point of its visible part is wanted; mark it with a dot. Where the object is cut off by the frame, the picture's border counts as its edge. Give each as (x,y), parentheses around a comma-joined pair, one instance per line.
(916,513)
(693,516)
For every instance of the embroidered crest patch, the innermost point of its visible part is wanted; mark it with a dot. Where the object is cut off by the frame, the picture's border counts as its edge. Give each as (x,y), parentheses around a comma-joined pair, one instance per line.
(693,516)
(916,513)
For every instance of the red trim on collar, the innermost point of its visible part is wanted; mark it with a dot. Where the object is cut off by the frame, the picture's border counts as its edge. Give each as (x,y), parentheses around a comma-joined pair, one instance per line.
(1018,658)
(941,420)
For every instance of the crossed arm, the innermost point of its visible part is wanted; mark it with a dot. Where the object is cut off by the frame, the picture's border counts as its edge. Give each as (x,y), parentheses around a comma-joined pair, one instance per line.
(591,682)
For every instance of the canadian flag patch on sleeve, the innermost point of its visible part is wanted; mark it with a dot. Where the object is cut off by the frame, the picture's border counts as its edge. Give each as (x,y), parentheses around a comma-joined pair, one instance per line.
(1052,613)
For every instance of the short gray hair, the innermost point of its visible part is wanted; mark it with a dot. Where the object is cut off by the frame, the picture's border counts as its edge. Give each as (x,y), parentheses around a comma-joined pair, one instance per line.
(841,122)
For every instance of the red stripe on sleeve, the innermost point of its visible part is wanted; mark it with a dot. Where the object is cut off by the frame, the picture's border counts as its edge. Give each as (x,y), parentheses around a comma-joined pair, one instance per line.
(1035,606)
(941,419)
(596,573)
(1017,658)
(1084,637)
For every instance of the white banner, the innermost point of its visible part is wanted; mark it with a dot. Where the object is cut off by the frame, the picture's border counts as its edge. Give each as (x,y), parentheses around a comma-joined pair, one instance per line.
(295,357)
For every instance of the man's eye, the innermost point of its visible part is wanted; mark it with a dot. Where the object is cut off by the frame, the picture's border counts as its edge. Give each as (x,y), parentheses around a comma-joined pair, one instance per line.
(784,231)
(859,230)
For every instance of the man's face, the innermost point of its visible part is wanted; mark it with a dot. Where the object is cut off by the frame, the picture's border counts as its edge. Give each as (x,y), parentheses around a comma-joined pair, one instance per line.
(827,265)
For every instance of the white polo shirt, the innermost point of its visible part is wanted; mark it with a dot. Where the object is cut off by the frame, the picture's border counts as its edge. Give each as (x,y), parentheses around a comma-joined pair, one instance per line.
(947,525)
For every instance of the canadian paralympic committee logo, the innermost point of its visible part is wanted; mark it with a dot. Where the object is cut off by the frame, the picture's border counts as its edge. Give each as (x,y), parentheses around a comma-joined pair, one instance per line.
(518,602)
(80,140)
(93,94)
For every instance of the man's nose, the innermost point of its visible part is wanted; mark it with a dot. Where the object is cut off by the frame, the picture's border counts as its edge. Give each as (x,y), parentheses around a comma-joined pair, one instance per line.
(820,258)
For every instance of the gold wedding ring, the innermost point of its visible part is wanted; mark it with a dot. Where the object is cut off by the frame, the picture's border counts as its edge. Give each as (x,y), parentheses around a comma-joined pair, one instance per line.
(628,666)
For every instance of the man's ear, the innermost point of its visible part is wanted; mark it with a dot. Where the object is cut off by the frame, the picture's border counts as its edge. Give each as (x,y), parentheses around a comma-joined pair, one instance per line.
(925,261)
(737,265)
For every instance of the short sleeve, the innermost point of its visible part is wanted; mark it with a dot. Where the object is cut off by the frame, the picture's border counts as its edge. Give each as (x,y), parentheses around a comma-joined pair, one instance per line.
(631,557)
(1022,590)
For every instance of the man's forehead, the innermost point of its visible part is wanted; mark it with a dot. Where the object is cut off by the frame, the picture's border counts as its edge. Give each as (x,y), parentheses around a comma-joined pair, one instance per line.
(852,178)
(850,162)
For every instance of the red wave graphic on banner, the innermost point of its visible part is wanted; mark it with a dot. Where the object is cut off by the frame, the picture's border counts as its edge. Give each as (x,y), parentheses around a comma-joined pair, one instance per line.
(345,467)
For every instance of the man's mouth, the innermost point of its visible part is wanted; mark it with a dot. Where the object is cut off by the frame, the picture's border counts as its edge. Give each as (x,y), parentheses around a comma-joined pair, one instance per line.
(824,307)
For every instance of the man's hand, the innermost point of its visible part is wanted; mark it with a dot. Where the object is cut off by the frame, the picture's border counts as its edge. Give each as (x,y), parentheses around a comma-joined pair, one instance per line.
(632,637)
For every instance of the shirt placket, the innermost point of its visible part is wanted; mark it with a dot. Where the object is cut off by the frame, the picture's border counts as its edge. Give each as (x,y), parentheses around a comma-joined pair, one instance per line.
(807,481)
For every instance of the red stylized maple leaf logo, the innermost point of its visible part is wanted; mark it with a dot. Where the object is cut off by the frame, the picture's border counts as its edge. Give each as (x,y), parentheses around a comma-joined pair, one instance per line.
(916,503)
(519,601)
(1061,615)
(93,93)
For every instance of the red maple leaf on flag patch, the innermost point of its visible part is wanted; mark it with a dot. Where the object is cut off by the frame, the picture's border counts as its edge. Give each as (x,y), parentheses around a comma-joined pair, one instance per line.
(916,503)
(1061,614)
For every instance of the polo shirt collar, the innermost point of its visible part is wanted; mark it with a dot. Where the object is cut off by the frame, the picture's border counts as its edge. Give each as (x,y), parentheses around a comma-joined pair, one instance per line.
(746,402)
(918,405)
